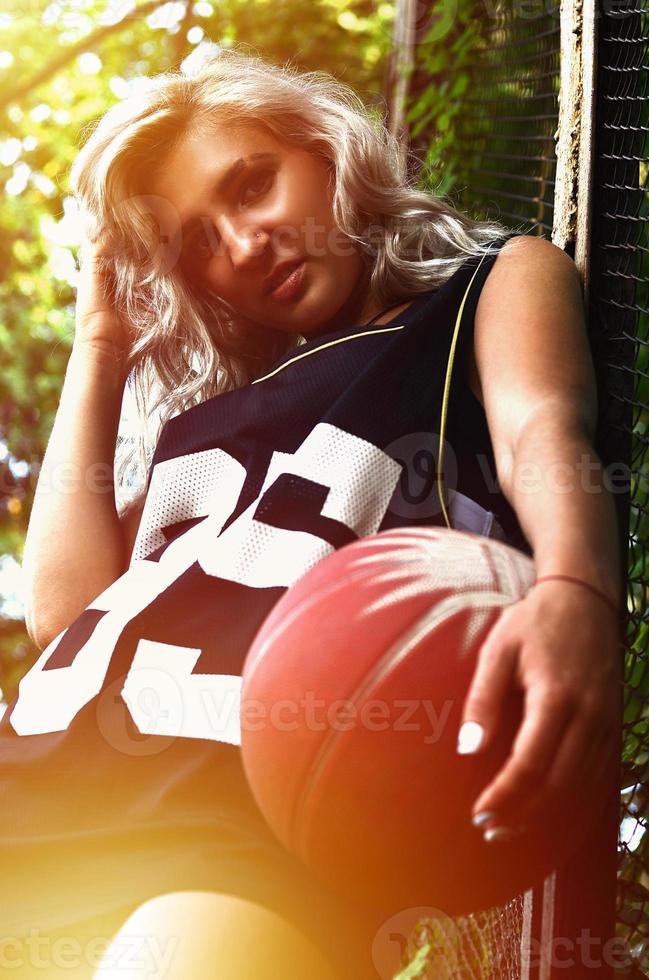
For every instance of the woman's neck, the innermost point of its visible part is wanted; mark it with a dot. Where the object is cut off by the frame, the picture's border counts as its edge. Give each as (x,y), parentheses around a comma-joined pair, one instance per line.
(359,308)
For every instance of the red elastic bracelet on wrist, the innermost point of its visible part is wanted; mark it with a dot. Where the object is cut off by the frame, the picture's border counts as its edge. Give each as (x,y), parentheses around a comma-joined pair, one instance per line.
(571,578)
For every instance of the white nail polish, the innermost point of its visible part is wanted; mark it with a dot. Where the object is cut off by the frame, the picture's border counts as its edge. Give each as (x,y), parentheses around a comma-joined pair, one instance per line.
(470,737)
(502,833)
(482,817)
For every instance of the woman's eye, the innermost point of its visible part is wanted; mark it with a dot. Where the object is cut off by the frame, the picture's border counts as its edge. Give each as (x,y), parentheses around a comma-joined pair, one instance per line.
(259,180)
(204,242)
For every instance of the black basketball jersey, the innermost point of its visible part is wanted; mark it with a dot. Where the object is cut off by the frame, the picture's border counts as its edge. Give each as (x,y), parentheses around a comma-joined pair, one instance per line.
(126,729)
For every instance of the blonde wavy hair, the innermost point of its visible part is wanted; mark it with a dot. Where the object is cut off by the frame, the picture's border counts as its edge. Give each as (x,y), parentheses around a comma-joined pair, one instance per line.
(185,346)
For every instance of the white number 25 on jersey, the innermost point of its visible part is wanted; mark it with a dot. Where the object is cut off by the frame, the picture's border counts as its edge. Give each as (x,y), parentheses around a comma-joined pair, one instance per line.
(361,480)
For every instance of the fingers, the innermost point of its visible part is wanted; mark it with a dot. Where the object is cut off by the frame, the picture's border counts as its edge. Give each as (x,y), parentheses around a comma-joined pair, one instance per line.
(94,250)
(565,744)
(512,795)
(603,756)
(486,694)
(559,750)
(97,245)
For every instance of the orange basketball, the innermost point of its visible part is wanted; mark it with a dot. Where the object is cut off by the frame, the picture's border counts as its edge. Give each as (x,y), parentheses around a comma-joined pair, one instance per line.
(351,703)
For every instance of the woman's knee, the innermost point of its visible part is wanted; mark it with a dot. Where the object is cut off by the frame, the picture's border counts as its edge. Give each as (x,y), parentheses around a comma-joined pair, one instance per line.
(200,935)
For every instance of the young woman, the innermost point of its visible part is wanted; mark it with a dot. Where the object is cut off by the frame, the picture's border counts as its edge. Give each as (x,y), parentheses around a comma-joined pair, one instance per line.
(283,303)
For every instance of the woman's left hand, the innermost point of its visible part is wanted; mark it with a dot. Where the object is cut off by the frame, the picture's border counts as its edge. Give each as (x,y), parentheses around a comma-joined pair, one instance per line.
(561,646)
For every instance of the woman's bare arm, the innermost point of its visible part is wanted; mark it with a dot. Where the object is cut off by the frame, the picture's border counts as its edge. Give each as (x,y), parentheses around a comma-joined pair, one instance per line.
(559,646)
(75,545)
(540,396)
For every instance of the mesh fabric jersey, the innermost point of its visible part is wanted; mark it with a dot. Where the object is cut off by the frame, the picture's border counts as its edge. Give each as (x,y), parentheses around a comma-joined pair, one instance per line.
(119,759)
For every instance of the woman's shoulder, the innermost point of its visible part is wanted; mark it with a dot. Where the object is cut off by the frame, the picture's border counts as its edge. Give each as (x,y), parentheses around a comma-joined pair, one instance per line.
(524,261)
(534,249)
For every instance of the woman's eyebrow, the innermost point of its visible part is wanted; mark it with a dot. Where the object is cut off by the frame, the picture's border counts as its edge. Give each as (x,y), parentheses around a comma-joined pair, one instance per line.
(226,179)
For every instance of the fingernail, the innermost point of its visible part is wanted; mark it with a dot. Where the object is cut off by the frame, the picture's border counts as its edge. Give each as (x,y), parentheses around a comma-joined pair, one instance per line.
(470,737)
(501,833)
(481,818)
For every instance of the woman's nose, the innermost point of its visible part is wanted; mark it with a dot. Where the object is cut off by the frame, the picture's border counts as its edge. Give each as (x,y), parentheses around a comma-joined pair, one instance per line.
(244,244)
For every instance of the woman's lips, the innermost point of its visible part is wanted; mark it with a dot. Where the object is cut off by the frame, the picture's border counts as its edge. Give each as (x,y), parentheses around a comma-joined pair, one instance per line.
(290,285)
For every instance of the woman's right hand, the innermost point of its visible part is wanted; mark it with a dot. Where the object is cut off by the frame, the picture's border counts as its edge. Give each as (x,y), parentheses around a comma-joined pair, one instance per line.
(97,322)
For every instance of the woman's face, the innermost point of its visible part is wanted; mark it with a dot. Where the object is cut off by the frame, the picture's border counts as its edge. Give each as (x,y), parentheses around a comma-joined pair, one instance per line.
(234,227)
